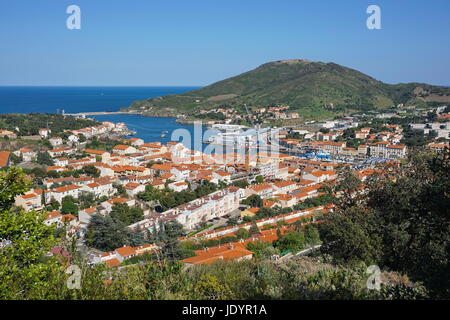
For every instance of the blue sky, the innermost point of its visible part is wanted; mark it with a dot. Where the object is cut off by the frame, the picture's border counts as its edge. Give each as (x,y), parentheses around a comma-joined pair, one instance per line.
(197,42)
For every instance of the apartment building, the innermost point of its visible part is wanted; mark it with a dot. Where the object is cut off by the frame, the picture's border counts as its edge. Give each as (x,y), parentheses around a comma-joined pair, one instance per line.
(383,149)
(192,214)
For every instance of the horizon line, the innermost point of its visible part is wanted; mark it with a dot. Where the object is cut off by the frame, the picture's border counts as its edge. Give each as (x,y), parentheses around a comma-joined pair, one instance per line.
(106,86)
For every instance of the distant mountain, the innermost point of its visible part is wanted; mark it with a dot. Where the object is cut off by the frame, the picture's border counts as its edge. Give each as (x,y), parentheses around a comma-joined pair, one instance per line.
(301,84)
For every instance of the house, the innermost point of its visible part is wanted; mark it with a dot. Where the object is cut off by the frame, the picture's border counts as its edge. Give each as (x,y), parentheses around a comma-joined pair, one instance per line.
(133,188)
(110,203)
(362,149)
(103,154)
(7,133)
(123,149)
(126,252)
(85,215)
(53,217)
(222,176)
(60,151)
(59,193)
(264,190)
(158,184)
(73,139)
(226,252)
(178,186)
(181,173)
(56,141)
(250,212)
(285,200)
(44,132)
(331,147)
(285,186)
(159,169)
(99,188)
(27,154)
(348,151)
(438,147)
(269,204)
(319,176)
(135,142)
(55,168)
(361,134)
(29,201)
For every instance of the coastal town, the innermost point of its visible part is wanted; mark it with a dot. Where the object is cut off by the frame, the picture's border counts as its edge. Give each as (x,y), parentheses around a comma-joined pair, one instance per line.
(223,203)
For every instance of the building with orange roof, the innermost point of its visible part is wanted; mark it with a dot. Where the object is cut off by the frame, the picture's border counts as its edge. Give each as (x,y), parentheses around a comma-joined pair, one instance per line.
(4,158)
(122,149)
(133,188)
(178,186)
(264,190)
(384,149)
(226,252)
(250,212)
(29,201)
(285,200)
(53,217)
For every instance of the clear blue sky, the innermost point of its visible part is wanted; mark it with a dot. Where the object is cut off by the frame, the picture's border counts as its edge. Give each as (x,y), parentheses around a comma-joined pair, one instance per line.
(197,42)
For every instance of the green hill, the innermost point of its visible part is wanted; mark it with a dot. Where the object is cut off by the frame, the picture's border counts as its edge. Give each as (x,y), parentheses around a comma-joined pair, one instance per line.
(301,84)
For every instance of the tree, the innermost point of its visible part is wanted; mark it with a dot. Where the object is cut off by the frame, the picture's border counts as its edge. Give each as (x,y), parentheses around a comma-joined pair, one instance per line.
(44,158)
(253,201)
(168,234)
(90,170)
(16,159)
(403,224)
(68,205)
(233,221)
(241,183)
(53,205)
(242,233)
(122,212)
(120,190)
(103,233)
(86,199)
(254,228)
(24,270)
(262,250)
(293,241)
(53,174)
(312,236)
(259,179)
(348,187)
(12,183)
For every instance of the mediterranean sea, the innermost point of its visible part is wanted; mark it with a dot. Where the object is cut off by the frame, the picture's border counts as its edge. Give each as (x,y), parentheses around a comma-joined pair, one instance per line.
(91,99)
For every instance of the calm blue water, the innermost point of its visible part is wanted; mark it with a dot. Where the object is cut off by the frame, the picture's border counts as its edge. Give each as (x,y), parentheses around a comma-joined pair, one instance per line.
(77,99)
(85,99)
(149,129)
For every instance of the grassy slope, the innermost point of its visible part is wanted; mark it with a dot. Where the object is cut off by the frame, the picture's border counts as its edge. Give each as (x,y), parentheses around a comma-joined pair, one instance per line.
(300,84)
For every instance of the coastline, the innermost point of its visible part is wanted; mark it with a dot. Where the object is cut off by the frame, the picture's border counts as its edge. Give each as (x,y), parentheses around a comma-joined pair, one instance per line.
(101,113)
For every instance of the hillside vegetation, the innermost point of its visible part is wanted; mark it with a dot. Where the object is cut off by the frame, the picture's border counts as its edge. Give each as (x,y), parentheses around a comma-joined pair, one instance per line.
(29,124)
(301,84)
